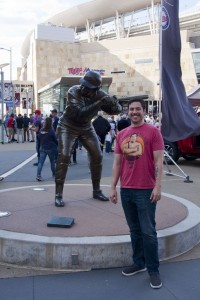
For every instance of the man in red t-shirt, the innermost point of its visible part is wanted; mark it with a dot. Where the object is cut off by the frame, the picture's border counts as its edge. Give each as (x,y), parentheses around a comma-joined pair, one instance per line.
(138,163)
(10,126)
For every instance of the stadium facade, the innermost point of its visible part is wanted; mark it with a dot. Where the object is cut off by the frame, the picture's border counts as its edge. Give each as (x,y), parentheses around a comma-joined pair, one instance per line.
(119,39)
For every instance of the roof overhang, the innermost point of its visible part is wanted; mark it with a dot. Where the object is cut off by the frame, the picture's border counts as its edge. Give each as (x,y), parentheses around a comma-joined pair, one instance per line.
(96,10)
(69,81)
(92,11)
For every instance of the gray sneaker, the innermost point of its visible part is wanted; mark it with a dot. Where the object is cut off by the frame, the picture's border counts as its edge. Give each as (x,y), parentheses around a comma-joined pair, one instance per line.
(39,178)
(134,269)
(155,281)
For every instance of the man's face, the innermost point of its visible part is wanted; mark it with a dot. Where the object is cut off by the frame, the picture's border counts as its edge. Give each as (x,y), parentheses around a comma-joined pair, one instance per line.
(136,113)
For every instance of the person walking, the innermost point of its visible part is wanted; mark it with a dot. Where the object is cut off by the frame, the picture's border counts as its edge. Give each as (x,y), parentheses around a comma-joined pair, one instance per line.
(138,162)
(108,140)
(114,131)
(102,127)
(55,118)
(36,129)
(31,128)
(20,127)
(10,126)
(26,128)
(123,123)
(74,153)
(47,143)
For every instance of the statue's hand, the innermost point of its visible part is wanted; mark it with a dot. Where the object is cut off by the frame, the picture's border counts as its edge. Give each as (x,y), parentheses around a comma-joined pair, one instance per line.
(107,100)
(100,95)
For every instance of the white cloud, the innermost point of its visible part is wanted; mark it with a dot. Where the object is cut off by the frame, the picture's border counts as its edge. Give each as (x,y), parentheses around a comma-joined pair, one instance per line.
(18,18)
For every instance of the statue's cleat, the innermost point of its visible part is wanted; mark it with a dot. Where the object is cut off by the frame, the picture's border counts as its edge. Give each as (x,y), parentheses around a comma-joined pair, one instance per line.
(100,196)
(59,202)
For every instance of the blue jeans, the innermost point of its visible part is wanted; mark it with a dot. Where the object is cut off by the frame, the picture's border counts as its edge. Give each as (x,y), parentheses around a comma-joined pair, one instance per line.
(108,147)
(43,154)
(140,216)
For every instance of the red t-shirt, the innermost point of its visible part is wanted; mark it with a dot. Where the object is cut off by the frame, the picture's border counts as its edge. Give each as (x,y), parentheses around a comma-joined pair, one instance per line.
(10,122)
(137,144)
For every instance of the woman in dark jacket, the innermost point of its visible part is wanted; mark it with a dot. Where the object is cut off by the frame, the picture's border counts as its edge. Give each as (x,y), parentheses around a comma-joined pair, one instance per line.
(48,147)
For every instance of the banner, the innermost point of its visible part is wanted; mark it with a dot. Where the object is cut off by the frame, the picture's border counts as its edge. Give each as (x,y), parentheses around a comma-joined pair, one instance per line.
(7,92)
(17,99)
(179,119)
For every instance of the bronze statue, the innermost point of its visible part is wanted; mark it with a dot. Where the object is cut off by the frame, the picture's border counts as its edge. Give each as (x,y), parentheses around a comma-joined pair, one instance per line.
(84,101)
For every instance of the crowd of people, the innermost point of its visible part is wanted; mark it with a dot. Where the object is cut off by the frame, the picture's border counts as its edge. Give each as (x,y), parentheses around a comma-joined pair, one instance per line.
(19,128)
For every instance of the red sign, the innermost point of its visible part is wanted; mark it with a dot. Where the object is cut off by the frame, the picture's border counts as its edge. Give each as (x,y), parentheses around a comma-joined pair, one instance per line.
(82,71)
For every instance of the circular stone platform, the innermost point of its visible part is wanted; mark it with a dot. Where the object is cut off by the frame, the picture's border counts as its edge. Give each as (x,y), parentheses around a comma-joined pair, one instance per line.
(99,231)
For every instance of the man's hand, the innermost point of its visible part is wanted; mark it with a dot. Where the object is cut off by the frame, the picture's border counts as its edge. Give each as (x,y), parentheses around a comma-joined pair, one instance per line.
(156,194)
(113,195)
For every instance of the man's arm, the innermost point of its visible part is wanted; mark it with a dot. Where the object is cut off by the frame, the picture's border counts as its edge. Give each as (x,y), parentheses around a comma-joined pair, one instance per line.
(115,177)
(158,159)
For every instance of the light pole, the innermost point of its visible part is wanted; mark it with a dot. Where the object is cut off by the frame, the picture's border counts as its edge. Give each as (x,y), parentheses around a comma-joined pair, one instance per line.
(10,50)
(2,101)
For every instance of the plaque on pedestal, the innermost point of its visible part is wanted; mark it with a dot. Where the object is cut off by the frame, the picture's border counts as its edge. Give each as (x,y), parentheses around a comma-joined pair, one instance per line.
(62,222)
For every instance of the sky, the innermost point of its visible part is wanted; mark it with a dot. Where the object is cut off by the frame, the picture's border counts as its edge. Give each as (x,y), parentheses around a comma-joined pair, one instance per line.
(19,17)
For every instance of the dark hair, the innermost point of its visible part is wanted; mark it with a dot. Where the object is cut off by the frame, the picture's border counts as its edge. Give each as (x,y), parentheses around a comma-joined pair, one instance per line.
(47,123)
(141,101)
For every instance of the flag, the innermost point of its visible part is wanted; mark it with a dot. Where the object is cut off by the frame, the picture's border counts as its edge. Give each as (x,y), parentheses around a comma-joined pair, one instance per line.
(179,119)
(17,99)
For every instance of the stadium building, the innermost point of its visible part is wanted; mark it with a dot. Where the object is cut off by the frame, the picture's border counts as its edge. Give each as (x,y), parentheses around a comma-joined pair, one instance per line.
(119,39)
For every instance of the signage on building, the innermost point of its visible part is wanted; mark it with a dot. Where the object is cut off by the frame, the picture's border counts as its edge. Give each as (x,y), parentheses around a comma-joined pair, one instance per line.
(17,99)
(8,92)
(81,71)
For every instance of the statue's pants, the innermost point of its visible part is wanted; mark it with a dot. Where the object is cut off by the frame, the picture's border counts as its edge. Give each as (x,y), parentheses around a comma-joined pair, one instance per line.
(66,140)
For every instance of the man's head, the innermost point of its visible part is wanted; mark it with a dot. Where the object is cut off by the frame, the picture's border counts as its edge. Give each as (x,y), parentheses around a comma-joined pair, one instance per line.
(100,113)
(54,112)
(136,111)
(123,117)
(37,112)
